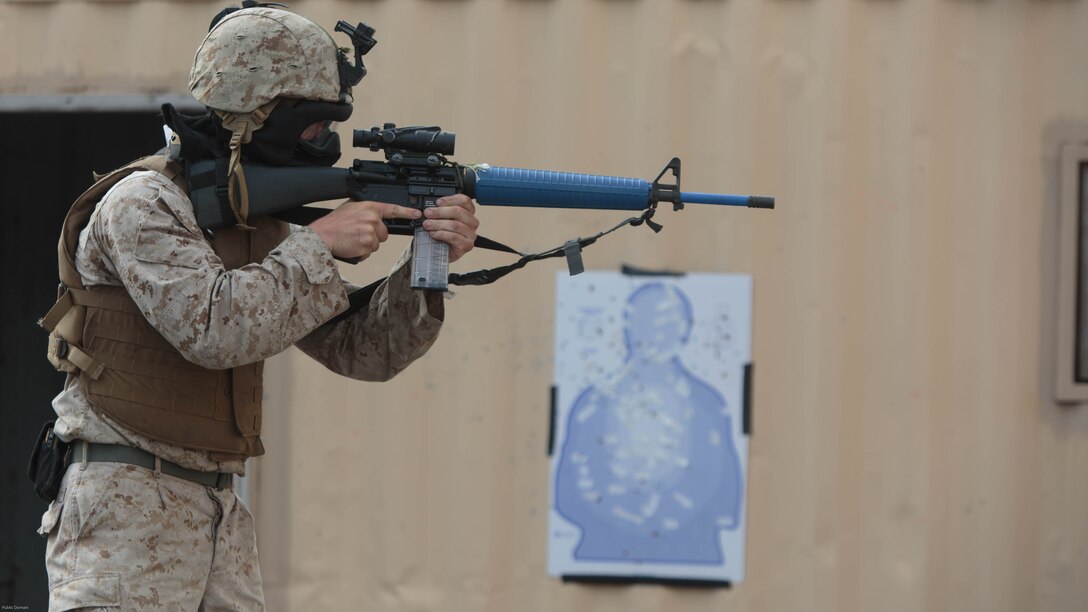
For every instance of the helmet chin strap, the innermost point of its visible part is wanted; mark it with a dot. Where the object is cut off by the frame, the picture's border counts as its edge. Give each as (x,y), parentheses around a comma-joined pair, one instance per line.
(242,126)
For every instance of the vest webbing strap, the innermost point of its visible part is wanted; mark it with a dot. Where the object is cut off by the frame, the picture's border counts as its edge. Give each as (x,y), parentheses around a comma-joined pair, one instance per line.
(83,361)
(57,312)
(116,302)
(80,297)
(62,347)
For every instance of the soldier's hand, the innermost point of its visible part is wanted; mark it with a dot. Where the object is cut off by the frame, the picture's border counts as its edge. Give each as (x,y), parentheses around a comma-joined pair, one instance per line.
(454,222)
(355,229)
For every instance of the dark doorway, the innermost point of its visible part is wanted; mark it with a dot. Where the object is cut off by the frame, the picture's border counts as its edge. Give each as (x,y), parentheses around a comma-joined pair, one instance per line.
(46,160)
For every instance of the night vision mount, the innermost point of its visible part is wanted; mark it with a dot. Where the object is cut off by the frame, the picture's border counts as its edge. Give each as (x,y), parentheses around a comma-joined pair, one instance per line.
(362,38)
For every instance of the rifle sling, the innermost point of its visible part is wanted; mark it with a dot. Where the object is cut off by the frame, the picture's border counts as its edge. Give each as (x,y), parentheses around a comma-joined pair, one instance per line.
(570,249)
(360,298)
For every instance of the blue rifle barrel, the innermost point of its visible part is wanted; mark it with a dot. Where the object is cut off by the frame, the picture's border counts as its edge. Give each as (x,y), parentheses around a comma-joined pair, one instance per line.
(498,186)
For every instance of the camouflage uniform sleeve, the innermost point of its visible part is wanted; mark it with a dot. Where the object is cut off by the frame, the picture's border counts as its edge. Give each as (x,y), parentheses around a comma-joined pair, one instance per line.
(376,343)
(217,318)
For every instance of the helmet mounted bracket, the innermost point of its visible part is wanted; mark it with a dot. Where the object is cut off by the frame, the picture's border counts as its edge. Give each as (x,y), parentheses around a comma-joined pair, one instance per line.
(362,38)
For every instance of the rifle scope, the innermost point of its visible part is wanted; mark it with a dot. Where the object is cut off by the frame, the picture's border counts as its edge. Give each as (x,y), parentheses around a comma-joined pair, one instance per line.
(415,139)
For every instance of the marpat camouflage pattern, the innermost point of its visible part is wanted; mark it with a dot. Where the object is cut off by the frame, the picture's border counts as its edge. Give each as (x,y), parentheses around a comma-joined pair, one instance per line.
(122,536)
(255,55)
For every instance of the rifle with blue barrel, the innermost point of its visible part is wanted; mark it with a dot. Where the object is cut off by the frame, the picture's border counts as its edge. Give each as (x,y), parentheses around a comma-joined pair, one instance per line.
(416,173)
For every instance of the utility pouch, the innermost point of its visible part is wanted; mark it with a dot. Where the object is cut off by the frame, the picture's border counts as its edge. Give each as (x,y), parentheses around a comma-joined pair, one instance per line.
(48,462)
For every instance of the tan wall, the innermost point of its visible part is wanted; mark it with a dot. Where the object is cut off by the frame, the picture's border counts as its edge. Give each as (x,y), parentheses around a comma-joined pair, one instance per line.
(906,454)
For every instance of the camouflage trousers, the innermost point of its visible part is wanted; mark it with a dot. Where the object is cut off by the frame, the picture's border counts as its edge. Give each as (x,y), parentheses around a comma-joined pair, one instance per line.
(123,537)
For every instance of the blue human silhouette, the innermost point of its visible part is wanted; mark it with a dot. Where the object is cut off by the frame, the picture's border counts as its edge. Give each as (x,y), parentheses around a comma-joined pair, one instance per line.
(648,470)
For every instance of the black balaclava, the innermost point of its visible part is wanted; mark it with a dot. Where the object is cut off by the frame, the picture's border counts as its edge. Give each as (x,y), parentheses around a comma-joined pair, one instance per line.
(279,141)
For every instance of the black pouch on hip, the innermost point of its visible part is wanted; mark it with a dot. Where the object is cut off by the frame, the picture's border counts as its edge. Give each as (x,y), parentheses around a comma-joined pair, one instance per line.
(48,462)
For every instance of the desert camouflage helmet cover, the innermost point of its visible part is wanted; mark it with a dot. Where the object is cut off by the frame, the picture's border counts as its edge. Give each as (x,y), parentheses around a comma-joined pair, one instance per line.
(255,55)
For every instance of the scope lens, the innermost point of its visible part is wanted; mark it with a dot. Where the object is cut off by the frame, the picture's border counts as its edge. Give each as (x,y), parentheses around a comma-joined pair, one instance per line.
(361,138)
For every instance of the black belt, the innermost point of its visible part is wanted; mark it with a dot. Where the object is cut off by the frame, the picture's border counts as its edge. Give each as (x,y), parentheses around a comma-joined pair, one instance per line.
(114,453)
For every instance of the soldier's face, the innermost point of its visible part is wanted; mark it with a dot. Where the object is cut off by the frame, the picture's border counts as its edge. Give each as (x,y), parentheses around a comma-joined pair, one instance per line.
(311,133)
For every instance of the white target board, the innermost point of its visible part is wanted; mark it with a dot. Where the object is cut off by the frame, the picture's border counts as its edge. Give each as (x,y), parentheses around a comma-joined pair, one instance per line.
(650,446)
